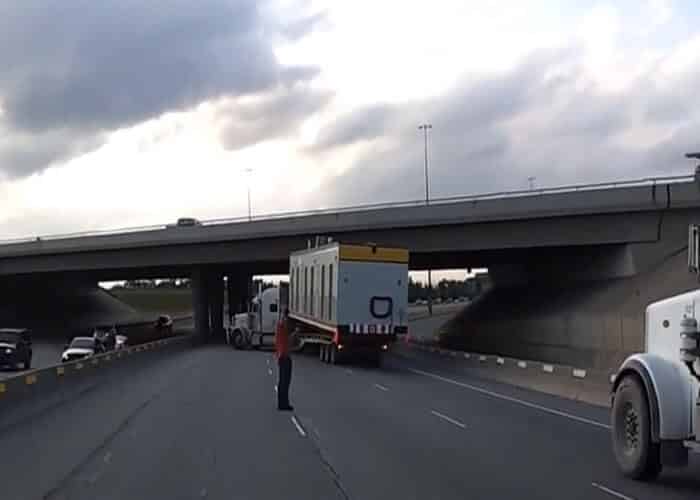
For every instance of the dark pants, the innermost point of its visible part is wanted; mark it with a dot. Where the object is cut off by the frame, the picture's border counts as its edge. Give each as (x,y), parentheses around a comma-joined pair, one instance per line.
(285,378)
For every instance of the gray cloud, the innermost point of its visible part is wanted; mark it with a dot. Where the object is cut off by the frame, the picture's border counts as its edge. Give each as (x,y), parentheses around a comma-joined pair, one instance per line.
(492,134)
(273,115)
(76,68)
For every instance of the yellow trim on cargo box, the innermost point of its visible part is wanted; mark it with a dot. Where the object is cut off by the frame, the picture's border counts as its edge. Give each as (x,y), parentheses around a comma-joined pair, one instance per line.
(365,253)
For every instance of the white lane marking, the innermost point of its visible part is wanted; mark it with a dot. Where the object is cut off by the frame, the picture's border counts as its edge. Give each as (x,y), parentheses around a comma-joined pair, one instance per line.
(298,426)
(275,388)
(500,361)
(522,364)
(268,361)
(269,371)
(548,368)
(578,373)
(448,419)
(348,371)
(512,400)
(611,492)
(381,387)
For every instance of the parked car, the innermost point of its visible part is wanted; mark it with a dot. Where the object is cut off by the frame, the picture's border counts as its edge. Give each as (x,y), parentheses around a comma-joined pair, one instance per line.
(164,324)
(107,337)
(81,347)
(120,341)
(15,347)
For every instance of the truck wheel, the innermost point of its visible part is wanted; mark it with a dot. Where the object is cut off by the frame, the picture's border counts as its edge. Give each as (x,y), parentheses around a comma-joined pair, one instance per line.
(637,456)
(238,340)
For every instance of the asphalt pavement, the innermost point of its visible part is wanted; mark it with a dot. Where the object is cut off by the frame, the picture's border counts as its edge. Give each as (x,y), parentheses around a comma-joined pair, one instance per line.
(202,423)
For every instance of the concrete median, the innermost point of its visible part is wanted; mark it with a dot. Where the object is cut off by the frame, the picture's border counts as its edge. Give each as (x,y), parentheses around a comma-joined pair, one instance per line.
(40,389)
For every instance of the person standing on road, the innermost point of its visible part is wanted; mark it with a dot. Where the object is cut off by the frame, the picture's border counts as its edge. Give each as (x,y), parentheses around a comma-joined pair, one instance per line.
(284,362)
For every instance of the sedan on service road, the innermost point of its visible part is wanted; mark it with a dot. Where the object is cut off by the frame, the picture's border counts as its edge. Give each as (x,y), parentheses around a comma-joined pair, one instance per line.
(164,324)
(15,348)
(81,347)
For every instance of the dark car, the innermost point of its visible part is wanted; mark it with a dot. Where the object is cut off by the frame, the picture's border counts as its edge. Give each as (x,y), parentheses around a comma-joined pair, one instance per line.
(164,324)
(106,336)
(15,347)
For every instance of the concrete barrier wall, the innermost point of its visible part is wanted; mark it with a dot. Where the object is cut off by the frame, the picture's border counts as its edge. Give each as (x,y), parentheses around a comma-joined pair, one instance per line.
(47,387)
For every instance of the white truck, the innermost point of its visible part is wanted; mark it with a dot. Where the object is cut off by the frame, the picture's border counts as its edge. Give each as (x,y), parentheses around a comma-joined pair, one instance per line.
(350,300)
(655,406)
(256,328)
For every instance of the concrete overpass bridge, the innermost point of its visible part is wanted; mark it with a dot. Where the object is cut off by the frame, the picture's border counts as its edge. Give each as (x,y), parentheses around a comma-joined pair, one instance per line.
(581,241)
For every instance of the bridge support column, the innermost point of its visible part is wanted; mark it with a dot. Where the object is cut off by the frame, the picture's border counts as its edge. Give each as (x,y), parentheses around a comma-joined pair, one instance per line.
(216,304)
(238,288)
(200,304)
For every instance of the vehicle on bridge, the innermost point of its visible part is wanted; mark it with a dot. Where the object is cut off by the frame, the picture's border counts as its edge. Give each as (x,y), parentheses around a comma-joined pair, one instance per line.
(15,347)
(350,300)
(656,404)
(81,347)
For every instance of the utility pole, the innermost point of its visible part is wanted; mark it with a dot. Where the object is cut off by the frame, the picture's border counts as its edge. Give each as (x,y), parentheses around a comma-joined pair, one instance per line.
(248,172)
(425,127)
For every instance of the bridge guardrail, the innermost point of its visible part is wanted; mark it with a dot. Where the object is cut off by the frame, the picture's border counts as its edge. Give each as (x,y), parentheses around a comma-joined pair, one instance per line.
(647,181)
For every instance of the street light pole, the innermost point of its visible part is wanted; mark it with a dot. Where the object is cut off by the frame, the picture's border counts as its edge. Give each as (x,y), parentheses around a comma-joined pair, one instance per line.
(425,127)
(250,216)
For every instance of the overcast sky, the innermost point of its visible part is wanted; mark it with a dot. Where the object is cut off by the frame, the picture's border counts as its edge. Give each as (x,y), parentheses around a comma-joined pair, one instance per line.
(127,113)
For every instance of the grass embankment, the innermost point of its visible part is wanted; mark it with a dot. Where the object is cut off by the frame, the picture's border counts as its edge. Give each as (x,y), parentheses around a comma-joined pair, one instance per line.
(157,301)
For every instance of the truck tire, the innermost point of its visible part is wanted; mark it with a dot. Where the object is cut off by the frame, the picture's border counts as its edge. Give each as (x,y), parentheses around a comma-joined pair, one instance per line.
(238,340)
(636,455)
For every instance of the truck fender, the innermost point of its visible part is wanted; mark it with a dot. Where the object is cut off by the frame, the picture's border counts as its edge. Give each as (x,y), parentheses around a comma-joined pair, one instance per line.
(668,392)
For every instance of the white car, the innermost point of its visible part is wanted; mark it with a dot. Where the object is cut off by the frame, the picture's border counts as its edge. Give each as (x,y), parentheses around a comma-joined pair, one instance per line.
(79,348)
(121,342)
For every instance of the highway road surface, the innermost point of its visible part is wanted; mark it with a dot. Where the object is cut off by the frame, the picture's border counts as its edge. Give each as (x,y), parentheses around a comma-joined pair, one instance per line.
(202,423)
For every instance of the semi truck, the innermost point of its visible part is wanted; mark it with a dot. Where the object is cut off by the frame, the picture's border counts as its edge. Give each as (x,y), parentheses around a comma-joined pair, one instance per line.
(655,402)
(350,300)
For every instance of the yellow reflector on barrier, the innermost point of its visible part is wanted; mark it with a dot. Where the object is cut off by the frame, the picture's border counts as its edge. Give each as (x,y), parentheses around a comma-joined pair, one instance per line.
(30,379)
(60,370)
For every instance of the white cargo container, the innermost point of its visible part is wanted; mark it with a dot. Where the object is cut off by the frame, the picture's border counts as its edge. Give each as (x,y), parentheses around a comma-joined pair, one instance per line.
(350,299)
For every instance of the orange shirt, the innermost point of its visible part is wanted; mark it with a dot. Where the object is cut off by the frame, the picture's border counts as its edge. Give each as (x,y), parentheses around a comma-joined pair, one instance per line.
(282,339)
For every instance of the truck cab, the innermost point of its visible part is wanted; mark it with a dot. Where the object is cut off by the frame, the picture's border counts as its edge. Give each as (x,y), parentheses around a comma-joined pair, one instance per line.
(655,412)
(256,327)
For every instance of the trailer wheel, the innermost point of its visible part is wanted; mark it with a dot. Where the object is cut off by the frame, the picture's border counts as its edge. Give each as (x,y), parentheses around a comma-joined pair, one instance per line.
(637,456)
